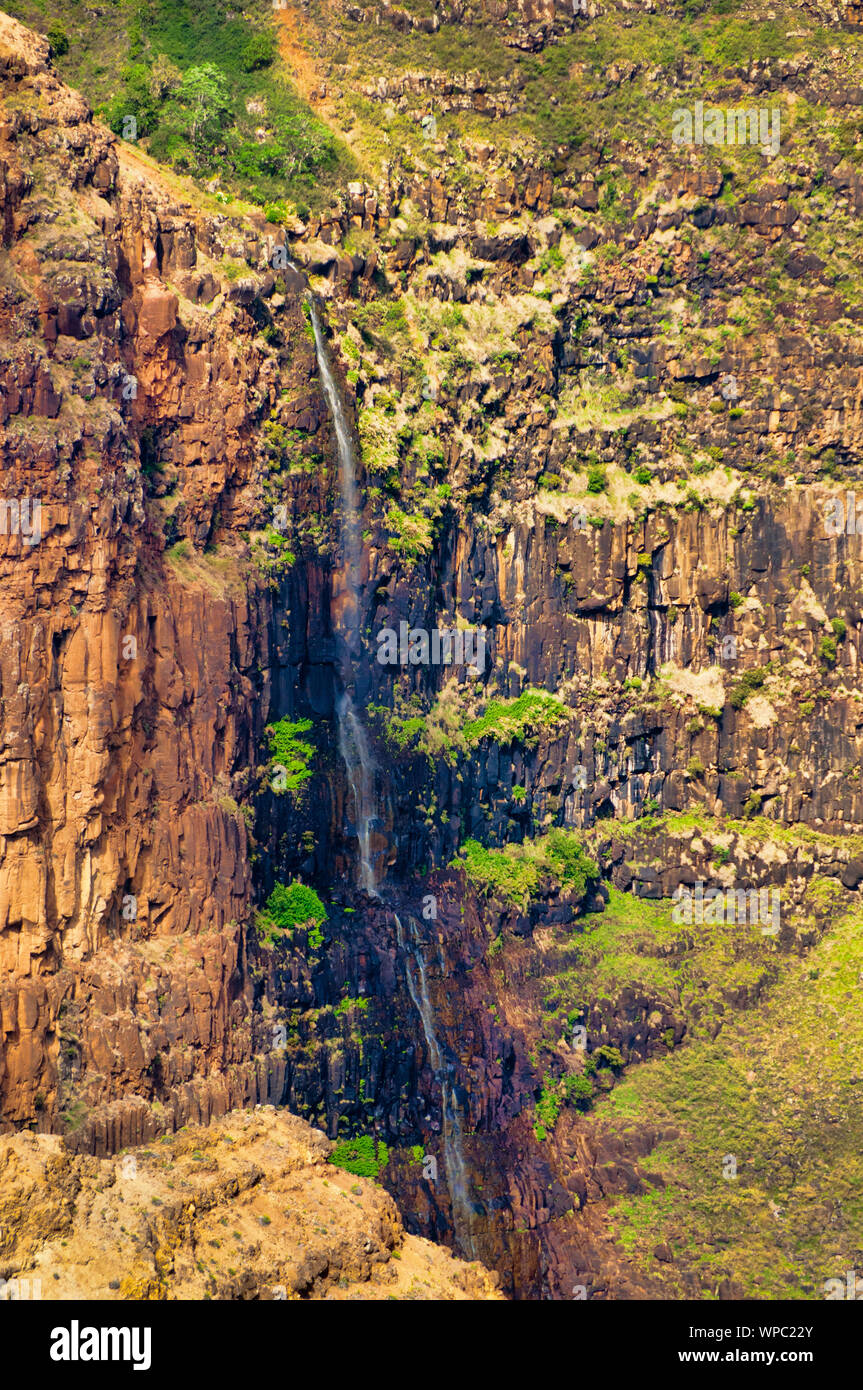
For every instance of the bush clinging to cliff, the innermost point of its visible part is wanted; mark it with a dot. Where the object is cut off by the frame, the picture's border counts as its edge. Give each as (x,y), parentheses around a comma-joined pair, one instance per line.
(291,905)
(510,721)
(515,872)
(291,753)
(361,1156)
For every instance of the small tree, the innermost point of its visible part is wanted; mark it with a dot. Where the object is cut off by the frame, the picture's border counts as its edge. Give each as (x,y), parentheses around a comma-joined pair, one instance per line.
(165,78)
(204,102)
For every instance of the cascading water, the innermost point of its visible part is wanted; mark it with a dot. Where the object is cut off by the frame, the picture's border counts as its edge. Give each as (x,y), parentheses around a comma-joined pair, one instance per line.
(453,1138)
(353,743)
(347,461)
(354,749)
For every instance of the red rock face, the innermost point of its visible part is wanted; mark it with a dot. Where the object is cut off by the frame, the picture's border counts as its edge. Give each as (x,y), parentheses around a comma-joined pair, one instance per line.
(133,693)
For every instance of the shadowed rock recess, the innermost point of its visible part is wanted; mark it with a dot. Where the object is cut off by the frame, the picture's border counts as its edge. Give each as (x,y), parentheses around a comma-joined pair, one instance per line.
(378,323)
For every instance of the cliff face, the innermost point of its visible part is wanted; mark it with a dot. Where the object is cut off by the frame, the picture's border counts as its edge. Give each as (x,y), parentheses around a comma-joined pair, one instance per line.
(134,680)
(605,397)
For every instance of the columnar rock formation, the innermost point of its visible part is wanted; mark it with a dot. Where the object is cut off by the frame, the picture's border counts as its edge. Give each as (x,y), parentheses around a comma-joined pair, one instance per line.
(606,400)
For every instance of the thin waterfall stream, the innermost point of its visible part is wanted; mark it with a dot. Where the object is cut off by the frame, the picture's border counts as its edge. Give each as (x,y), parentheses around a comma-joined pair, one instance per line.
(353,742)
(354,748)
(453,1136)
(355,752)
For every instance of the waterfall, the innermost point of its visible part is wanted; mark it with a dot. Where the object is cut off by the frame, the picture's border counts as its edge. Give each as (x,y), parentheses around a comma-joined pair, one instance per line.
(354,748)
(347,458)
(353,743)
(453,1137)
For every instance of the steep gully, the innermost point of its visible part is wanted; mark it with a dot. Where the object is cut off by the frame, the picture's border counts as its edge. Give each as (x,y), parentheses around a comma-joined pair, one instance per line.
(360,767)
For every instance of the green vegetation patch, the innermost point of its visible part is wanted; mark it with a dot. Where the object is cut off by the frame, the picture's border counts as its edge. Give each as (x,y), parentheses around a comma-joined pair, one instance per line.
(451,727)
(763,1181)
(363,1156)
(515,872)
(749,682)
(201,85)
(291,905)
(688,972)
(680,824)
(290,753)
(349,1004)
(547,1111)
(518,721)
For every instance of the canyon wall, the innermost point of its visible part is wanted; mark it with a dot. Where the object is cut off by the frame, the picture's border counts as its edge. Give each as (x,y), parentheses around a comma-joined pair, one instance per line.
(574,432)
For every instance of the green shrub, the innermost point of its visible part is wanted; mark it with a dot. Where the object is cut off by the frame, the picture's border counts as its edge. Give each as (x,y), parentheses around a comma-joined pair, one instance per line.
(612,1056)
(347,1004)
(505,874)
(568,861)
(259,52)
(412,533)
(58,39)
(290,752)
(578,1090)
(295,904)
(552,258)
(547,1111)
(514,872)
(361,1156)
(749,681)
(511,721)
(597,479)
(402,731)
(289,906)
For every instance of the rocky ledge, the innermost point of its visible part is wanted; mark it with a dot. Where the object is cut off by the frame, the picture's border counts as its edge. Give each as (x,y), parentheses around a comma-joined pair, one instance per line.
(246,1208)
